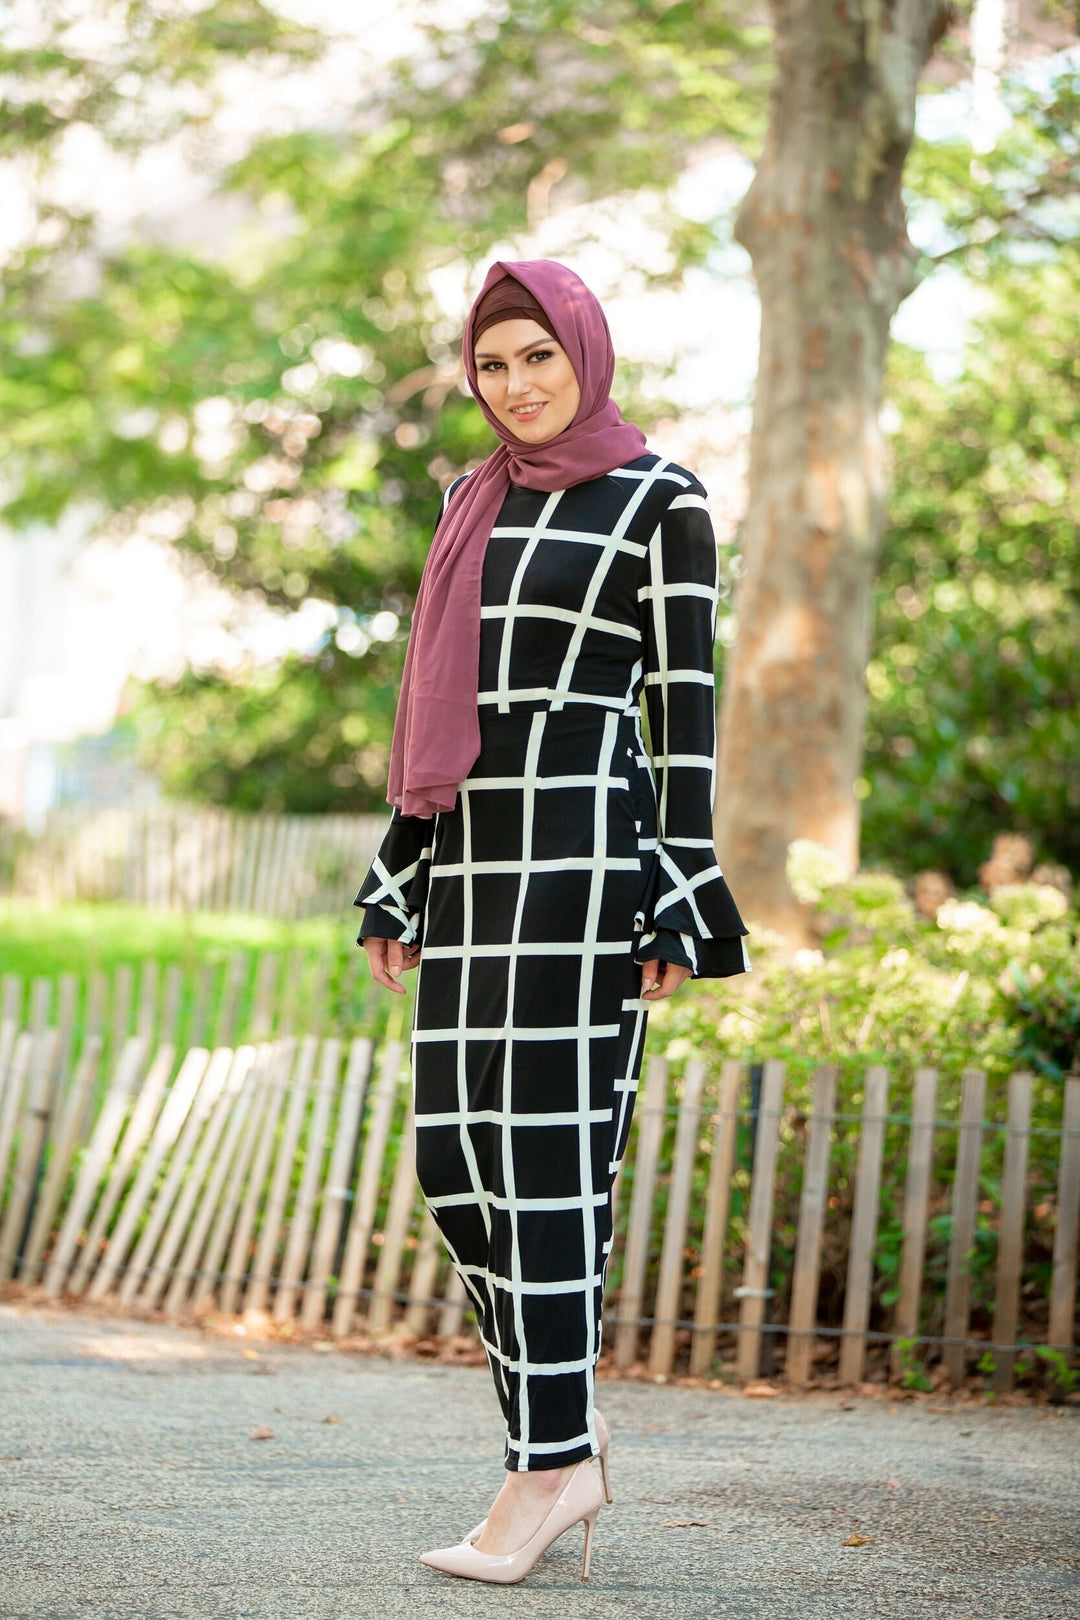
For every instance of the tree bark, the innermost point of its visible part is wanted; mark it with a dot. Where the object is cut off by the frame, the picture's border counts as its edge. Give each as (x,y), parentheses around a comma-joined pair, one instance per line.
(824,224)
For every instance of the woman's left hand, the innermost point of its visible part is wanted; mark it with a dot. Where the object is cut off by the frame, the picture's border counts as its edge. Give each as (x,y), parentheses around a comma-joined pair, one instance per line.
(656,986)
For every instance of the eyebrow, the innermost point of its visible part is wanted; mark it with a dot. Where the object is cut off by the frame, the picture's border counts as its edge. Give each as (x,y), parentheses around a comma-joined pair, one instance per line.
(537,343)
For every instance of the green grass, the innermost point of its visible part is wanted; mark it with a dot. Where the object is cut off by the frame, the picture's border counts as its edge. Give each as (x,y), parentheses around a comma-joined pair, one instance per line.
(97,936)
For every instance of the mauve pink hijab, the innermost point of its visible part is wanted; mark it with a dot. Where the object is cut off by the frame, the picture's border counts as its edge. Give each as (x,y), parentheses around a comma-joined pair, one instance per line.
(437,730)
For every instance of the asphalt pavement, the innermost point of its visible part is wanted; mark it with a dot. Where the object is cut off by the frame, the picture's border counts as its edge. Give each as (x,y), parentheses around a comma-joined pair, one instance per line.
(131,1486)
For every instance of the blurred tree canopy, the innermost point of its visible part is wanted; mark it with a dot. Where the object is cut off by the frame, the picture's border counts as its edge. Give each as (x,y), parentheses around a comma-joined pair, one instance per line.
(287,412)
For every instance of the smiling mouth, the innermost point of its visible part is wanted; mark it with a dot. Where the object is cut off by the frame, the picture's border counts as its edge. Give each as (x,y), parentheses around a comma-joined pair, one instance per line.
(526,413)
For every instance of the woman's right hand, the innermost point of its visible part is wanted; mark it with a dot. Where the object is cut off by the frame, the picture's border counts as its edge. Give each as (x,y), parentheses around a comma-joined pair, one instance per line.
(388,959)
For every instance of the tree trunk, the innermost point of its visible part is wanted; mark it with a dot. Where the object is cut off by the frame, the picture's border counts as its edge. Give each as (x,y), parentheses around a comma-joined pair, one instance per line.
(824,224)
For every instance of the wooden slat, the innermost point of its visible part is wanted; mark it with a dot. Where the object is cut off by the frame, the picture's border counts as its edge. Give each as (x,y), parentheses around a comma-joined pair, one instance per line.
(403,1195)
(266,977)
(650,1135)
(1010,1257)
(299,1238)
(171,1004)
(858,1291)
(965,1195)
(672,1253)
(202,1104)
(806,1276)
(8,1031)
(1063,1276)
(250,1108)
(266,1249)
(717,1213)
(200,1011)
(67,1007)
(41,996)
(274,1093)
(753,1290)
(235,978)
(424,1274)
(126,1072)
(139,1126)
(97,996)
(17,1070)
(916,1212)
(188,1278)
(69,1133)
(146,1020)
(11,998)
(160,1273)
(123,990)
(337,1192)
(35,1116)
(367,1188)
(450,1317)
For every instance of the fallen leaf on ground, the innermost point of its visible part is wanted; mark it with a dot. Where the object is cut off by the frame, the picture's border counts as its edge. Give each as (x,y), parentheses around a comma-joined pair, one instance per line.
(686,1524)
(262,1433)
(855,1540)
(892,1484)
(251,1355)
(333,1418)
(759,1391)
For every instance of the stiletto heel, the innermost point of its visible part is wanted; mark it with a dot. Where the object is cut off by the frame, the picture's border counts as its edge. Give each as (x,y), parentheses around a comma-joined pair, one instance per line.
(590,1527)
(580,1498)
(603,1440)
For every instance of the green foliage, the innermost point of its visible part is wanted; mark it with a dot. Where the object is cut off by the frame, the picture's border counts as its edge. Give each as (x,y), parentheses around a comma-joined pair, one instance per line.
(891,987)
(81,937)
(288,414)
(974,684)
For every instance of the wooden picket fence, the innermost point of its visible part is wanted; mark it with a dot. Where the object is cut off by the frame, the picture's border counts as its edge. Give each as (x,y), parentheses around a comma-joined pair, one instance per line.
(195,859)
(277,1178)
(254,995)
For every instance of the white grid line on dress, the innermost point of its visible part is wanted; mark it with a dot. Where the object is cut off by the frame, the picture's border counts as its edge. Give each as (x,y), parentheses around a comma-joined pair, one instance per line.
(499,1201)
(477,1032)
(528,1118)
(543,694)
(547,510)
(538,610)
(508,868)
(585,986)
(528,811)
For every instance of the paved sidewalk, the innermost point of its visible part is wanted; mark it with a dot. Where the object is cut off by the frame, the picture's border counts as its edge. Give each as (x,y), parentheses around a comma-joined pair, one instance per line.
(130,1487)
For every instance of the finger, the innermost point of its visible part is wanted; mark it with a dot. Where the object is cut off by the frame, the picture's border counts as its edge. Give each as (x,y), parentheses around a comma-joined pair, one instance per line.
(674,976)
(376,951)
(650,975)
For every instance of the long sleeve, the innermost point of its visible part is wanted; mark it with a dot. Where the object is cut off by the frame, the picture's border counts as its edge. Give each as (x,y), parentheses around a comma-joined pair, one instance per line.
(690,914)
(395,890)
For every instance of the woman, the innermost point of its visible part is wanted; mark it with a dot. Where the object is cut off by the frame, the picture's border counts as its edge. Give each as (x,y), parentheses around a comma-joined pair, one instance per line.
(555,883)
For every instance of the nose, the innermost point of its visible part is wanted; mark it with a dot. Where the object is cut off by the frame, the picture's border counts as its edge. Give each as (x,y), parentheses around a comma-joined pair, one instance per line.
(518,380)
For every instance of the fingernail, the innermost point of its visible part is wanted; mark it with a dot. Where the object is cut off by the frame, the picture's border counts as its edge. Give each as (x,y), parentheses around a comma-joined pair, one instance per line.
(394,972)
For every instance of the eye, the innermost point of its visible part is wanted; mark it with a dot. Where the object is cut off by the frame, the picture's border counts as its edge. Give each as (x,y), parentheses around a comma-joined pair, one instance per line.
(490,365)
(541,354)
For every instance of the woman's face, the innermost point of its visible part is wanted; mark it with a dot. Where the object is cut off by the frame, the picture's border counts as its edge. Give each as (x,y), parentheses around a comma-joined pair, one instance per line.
(525,377)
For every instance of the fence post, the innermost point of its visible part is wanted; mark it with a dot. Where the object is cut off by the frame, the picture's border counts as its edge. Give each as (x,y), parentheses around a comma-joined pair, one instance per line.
(815,1188)
(1011,1235)
(965,1194)
(669,1283)
(717,1210)
(1063,1287)
(755,1284)
(864,1220)
(635,1255)
(916,1212)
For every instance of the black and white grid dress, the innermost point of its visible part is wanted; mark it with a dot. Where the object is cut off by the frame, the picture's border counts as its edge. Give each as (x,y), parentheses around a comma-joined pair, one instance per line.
(569,859)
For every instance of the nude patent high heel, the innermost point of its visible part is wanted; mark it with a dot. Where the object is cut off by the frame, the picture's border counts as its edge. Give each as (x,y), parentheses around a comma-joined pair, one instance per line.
(578,1502)
(603,1440)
